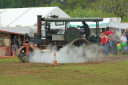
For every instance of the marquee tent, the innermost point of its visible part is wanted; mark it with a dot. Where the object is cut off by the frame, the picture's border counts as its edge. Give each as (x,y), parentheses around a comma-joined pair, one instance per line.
(114,24)
(16,18)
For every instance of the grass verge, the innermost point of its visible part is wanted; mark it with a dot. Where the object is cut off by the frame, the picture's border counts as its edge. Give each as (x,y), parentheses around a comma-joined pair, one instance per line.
(13,72)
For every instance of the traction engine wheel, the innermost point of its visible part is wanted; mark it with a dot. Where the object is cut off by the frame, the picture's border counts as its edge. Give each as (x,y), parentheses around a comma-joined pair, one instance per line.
(79,42)
(21,53)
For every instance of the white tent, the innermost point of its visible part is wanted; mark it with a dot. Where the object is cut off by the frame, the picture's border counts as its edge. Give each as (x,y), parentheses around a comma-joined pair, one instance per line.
(22,17)
(117,26)
(114,24)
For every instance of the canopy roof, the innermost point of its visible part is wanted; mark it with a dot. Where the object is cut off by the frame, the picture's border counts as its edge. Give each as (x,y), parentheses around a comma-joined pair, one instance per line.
(17,30)
(102,24)
(72,19)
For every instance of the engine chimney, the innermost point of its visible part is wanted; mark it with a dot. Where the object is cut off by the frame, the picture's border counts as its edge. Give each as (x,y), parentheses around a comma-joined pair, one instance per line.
(39,24)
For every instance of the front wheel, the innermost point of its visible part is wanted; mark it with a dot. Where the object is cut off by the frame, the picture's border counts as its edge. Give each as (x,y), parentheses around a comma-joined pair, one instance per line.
(21,53)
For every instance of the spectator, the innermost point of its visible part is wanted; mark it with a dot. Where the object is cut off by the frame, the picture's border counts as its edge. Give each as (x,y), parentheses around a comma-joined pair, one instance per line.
(108,45)
(7,43)
(114,39)
(127,37)
(104,41)
(124,39)
(15,43)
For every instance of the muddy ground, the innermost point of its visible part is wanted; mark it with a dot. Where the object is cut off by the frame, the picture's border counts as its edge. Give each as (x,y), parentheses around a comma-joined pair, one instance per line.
(15,72)
(117,58)
(18,68)
(19,65)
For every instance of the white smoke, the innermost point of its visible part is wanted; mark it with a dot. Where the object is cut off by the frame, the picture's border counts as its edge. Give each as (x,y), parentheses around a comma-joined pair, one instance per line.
(73,54)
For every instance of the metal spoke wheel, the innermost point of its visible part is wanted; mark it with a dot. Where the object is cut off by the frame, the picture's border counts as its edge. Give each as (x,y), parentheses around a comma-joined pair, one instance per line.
(87,49)
(79,42)
(21,53)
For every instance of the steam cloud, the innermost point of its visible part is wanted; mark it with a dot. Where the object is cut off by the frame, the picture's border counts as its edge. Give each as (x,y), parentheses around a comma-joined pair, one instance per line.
(75,54)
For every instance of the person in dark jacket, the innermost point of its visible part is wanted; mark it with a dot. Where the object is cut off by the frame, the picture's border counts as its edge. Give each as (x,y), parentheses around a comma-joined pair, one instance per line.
(15,43)
(86,30)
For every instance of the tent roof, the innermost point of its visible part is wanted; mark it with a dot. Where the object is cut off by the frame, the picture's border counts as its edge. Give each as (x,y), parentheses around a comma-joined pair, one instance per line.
(21,20)
(13,17)
(17,30)
(114,24)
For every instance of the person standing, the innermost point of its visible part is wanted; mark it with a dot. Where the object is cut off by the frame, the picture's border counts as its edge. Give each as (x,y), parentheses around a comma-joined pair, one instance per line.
(86,30)
(104,41)
(127,37)
(108,45)
(7,43)
(15,43)
(114,39)
(124,39)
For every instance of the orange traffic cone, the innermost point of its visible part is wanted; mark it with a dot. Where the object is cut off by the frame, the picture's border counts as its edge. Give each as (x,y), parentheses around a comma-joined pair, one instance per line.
(54,60)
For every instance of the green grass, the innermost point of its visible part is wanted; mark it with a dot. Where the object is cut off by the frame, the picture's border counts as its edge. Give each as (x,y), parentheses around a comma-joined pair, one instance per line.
(9,60)
(13,72)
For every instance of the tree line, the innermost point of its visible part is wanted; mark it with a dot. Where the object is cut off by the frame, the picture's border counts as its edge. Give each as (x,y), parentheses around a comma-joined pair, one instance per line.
(76,8)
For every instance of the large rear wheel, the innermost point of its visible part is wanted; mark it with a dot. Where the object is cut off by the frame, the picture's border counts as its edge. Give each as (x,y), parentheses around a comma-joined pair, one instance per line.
(79,42)
(86,49)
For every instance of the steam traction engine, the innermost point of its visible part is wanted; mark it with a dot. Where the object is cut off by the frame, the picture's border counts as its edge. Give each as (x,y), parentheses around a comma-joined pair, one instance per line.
(71,35)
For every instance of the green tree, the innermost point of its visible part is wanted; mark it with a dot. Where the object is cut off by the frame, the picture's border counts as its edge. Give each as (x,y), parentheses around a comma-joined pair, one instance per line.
(116,7)
(4,4)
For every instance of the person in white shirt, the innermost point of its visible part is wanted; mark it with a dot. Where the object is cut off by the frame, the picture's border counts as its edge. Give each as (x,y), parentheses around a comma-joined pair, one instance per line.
(7,43)
(124,39)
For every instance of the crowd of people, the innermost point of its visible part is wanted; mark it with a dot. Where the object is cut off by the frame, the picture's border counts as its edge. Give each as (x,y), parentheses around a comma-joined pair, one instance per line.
(113,38)
(106,40)
(13,45)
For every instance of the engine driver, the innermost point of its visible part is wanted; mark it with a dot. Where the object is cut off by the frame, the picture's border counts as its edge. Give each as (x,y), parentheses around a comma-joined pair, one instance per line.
(86,30)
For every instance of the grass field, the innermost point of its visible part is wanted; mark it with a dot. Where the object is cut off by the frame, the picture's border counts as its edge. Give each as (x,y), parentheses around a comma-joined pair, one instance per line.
(13,72)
